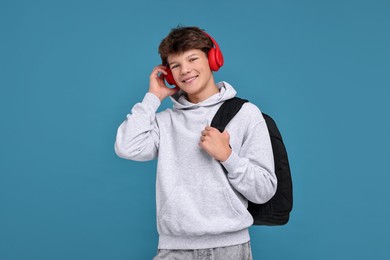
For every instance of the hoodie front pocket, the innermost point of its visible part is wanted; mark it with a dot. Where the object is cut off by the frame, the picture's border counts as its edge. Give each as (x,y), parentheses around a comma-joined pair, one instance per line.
(199,210)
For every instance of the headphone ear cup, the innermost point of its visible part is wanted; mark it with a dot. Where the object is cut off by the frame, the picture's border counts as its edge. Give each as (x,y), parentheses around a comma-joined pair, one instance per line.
(212,60)
(219,57)
(169,78)
(215,56)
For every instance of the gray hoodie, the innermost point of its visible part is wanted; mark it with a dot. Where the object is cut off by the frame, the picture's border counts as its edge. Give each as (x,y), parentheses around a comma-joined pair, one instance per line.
(200,204)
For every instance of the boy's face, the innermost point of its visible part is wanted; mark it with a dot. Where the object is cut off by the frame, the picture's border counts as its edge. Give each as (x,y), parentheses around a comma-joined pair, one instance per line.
(192,73)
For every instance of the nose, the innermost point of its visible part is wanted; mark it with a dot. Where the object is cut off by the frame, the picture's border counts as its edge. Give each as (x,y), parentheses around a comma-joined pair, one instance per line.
(185,69)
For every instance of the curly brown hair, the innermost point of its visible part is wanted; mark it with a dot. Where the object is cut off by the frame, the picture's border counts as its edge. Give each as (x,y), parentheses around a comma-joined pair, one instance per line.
(182,39)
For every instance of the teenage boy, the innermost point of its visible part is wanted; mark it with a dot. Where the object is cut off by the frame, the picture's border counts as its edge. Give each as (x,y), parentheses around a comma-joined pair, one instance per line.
(204,177)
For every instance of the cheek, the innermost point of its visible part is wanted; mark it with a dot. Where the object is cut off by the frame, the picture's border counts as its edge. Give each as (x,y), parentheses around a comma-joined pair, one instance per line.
(206,71)
(206,66)
(175,73)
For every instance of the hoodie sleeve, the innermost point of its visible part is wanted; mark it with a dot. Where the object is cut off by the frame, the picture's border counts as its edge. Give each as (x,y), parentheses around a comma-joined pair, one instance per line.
(138,136)
(252,171)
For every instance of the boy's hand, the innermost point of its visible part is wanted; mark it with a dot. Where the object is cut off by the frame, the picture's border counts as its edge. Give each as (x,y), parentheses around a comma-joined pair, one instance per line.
(215,143)
(157,85)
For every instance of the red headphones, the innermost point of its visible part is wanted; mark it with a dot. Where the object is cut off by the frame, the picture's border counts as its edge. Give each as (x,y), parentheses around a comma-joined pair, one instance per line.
(215,58)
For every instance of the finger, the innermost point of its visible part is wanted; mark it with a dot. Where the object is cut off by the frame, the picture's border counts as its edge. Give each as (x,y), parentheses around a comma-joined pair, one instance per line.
(163,71)
(159,69)
(155,73)
(210,128)
(160,73)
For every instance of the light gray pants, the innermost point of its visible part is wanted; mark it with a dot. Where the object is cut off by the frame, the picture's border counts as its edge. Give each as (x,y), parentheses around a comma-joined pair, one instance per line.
(237,252)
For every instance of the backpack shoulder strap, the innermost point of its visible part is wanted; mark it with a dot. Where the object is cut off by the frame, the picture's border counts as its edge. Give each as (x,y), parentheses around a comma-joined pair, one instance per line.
(226,112)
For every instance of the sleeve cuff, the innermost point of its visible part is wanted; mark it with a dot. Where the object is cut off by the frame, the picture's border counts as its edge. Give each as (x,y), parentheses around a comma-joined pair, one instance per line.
(232,162)
(151,100)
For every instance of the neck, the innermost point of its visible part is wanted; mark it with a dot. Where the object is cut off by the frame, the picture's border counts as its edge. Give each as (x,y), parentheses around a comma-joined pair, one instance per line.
(199,97)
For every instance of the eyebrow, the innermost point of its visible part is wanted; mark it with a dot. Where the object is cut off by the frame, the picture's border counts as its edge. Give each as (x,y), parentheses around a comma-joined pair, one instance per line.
(189,56)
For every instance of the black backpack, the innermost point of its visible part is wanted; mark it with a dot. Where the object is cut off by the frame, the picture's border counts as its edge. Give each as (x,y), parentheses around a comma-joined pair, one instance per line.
(277,210)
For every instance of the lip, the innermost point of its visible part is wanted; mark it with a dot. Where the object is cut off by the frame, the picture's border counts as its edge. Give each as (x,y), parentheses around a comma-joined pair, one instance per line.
(189,79)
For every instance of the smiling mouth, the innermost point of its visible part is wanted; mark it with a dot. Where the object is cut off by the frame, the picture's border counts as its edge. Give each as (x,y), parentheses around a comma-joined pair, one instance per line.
(189,79)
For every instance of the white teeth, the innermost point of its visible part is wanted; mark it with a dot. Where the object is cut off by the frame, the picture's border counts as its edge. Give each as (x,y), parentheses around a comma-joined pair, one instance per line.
(190,79)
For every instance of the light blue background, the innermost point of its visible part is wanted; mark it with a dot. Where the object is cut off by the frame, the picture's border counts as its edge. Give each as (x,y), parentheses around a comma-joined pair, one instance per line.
(72,70)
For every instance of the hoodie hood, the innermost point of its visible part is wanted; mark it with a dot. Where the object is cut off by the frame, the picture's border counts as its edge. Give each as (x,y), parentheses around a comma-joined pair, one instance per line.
(226,91)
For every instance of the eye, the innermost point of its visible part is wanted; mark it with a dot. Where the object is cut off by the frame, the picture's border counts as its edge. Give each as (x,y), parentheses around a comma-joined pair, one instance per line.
(174,66)
(193,59)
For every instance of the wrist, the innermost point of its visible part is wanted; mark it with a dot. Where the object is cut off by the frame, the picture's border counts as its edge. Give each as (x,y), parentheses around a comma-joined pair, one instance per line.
(226,155)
